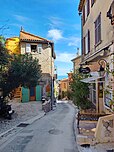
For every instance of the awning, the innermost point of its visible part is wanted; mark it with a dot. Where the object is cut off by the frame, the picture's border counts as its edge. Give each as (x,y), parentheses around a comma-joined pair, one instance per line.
(90,79)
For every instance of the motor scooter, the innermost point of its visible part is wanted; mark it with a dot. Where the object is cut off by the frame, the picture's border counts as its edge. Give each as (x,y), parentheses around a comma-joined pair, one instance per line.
(5,109)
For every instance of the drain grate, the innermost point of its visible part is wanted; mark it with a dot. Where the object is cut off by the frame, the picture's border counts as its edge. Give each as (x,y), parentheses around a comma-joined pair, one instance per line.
(85,145)
(112,150)
(22,125)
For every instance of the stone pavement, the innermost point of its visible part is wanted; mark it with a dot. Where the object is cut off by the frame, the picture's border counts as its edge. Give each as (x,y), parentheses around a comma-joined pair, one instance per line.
(28,112)
(85,137)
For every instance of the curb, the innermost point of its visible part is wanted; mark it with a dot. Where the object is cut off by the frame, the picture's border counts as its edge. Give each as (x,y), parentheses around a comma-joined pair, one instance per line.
(16,129)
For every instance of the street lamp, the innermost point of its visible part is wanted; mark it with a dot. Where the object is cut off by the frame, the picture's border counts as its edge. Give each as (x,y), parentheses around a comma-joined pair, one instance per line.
(50,46)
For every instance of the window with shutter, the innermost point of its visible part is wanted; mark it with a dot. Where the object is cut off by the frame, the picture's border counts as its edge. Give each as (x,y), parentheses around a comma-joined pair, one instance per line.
(88,41)
(88,7)
(98,30)
(33,48)
(85,10)
(83,15)
(83,51)
(92,2)
(39,48)
(28,48)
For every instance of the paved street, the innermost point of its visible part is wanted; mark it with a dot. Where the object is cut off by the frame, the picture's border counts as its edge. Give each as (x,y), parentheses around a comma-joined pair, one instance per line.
(52,133)
(23,112)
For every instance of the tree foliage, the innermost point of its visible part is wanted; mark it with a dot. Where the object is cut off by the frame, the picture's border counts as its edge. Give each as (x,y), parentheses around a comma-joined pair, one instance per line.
(80,91)
(17,70)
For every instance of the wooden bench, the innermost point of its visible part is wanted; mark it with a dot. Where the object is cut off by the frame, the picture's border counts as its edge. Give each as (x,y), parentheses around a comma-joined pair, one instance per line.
(88,117)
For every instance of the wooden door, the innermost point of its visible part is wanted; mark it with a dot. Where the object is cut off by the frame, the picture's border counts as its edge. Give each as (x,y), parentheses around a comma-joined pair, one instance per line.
(32,94)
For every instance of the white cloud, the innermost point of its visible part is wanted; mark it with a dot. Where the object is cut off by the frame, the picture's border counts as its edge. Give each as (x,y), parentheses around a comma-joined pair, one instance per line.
(65,57)
(74,41)
(16,25)
(55,34)
(21,18)
(63,71)
(55,22)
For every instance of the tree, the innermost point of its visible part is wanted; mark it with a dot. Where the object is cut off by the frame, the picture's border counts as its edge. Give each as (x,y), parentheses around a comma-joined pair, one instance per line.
(4,60)
(80,91)
(17,70)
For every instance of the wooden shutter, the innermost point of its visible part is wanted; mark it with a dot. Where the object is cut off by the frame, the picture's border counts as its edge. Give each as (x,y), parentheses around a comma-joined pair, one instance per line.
(83,51)
(88,7)
(28,49)
(83,15)
(39,48)
(88,41)
(92,2)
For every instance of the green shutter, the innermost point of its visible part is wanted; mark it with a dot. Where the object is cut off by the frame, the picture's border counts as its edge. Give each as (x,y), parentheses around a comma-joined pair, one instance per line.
(25,94)
(38,93)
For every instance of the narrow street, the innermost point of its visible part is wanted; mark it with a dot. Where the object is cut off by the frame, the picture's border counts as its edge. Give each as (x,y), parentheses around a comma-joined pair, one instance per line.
(52,133)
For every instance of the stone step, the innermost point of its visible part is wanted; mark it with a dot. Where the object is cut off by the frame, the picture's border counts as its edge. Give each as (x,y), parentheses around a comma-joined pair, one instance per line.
(81,139)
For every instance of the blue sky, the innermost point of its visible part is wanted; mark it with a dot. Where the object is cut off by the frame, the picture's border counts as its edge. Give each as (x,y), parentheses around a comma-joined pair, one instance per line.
(56,20)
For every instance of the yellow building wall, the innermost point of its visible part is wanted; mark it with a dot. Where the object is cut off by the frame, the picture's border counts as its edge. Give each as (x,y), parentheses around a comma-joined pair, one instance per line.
(12,44)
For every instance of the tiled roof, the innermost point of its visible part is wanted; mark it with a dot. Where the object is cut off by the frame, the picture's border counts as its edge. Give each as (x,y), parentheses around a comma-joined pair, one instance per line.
(25,36)
(64,80)
(76,58)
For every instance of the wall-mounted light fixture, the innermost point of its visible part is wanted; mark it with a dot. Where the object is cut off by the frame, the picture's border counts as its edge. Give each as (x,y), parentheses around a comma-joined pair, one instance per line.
(101,70)
(110,13)
(1,92)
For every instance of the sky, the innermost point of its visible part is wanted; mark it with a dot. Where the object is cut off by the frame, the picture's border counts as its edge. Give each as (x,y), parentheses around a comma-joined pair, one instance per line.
(56,20)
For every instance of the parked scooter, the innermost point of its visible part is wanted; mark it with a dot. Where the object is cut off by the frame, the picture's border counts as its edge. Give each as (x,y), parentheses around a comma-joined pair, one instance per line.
(5,109)
(43,99)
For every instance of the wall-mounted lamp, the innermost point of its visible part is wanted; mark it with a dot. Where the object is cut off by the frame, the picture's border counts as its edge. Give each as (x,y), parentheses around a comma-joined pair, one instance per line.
(1,92)
(110,13)
(80,13)
(101,70)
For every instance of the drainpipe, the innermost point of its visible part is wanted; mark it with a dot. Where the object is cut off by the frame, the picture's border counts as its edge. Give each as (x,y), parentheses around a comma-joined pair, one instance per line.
(80,14)
(51,79)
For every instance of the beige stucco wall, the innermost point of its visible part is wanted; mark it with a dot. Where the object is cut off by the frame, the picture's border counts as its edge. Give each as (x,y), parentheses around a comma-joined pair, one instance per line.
(47,64)
(45,59)
(76,63)
(106,28)
(105,129)
(107,37)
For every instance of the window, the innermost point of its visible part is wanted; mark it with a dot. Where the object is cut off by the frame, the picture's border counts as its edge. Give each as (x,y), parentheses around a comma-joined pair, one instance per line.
(33,48)
(92,2)
(108,98)
(39,48)
(65,85)
(87,9)
(86,42)
(94,93)
(83,49)
(98,30)
(28,48)
(83,15)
